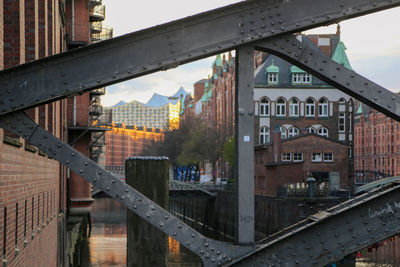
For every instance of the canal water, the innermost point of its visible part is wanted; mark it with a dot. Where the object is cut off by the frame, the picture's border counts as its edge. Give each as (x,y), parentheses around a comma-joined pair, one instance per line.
(106,246)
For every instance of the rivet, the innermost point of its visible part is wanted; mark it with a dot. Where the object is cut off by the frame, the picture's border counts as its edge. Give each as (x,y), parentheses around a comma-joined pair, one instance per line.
(366,83)
(161,224)
(393,97)
(188,243)
(229,259)
(206,244)
(201,251)
(134,206)
(59,145)
(94,180)
(207,255)
(100,172)
(114,76)
(389,106)
(108,188)
(212,260)
(193,235)
(174,233)
(98,81)
(73,154)
(67,162)
(86,163)
(375,98)
(81,171)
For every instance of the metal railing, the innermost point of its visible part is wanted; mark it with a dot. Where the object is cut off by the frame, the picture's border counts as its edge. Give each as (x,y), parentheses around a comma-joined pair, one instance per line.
(96,27)
(106,33)
(97,13)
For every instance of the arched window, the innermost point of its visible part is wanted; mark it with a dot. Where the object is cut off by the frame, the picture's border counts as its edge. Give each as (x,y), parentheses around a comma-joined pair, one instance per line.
(323,107)
(311,130)
(293,107)
(323,132)
(283,132)
(281,107)
(342,101)
(293,132)
(264,107)
(310,107)
(264,135)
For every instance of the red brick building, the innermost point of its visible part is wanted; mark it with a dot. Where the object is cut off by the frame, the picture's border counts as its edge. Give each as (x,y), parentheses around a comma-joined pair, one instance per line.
(293,160)
(34,201)
(284,96)
(376,145)
(127,141)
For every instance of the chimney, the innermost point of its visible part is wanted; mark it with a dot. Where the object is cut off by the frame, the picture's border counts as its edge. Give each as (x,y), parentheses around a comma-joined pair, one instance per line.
(276,144)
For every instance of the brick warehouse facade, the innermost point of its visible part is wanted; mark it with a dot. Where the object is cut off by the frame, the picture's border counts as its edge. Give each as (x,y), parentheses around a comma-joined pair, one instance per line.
(34,200)
(376,145)
(293,160)
(126,141)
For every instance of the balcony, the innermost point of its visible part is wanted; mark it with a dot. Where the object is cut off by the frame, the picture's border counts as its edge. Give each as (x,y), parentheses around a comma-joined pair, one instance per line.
(106,33)
(96,27)
(97,13)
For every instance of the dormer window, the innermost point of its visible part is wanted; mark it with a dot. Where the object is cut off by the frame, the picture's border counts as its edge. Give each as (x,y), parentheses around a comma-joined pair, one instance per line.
(299,76)
(272,74)
(272,78)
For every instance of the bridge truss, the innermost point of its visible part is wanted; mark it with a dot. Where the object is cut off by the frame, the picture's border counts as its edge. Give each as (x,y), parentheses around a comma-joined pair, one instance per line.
(265,25)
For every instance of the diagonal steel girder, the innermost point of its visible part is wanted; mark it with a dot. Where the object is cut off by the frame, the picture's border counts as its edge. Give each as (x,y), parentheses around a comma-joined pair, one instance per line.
(211,252)
(169,45)
(328,236)
(315,62)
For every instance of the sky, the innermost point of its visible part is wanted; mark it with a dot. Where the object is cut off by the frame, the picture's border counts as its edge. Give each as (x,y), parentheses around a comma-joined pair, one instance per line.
(372,41)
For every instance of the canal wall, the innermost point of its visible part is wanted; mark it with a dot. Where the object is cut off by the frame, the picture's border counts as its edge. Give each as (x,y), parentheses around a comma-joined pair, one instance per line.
(214,217)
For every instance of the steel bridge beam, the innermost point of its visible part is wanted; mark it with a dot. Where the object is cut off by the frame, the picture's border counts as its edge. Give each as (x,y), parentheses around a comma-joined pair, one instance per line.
(328,236)
(315,62)
(168,46)
(211,252)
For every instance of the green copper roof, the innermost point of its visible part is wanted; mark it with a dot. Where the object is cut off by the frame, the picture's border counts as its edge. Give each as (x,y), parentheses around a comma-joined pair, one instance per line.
(204,97)
(215,76)
(206,84)
(340,56)
(209,94)
(218,61)
(359,110)
(272,68)
(182,104)
(295,69)
(190,105)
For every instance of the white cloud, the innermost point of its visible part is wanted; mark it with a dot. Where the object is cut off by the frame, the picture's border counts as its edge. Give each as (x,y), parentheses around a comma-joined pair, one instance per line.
(366,38)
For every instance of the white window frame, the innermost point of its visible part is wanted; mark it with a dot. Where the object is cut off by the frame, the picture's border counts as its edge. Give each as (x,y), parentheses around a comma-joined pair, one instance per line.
(281,107)
(310,108)
(322,131)
(264,135)
(293,131)
(301,78)
(272,78)
(328,157)
(312,130)
(283,132)
(293,108)
(264,107)
(342,122)
(297,157)
(316,157)
(323,108)
(286,156)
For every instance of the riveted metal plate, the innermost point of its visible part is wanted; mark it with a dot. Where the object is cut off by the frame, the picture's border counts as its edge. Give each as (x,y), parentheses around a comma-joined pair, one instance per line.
(318,64)
(212,252)
(167,46)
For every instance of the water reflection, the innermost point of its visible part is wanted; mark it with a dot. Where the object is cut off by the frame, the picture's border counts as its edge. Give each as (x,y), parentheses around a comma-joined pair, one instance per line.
(382,254)
(106,246)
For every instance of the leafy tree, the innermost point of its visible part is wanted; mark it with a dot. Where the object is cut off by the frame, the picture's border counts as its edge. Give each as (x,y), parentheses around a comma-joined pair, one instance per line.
(229,151)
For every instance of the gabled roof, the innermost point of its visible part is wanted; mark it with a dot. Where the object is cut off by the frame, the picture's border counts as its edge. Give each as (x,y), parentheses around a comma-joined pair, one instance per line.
(340,56)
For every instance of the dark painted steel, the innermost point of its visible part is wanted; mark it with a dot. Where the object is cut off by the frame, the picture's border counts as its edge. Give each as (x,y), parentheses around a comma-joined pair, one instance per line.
(314,61)
(169,45)
(244,139)
(211,252)
(330,235)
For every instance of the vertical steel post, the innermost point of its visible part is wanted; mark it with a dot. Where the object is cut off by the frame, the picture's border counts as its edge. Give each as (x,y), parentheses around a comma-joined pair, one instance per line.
(244,142)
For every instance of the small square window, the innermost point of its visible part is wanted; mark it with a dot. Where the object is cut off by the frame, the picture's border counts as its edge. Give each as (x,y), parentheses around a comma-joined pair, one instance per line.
(297,156)
(316,157)
(286,157)
(328,157)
